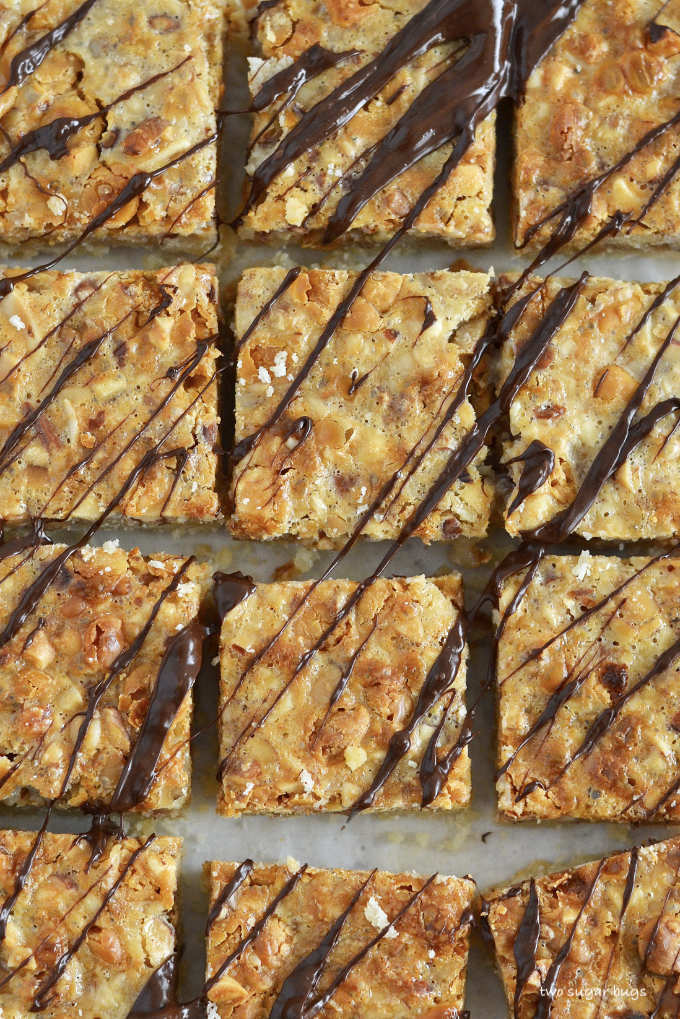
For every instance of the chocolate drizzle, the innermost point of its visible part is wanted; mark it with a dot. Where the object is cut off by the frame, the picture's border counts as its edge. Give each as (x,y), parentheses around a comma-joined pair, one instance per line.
(438,682)
(294,1000)
(538,464)
(54,136)
(525,945)
(230,589)
(27,62)
(42,997)
(176,676)
(549,982)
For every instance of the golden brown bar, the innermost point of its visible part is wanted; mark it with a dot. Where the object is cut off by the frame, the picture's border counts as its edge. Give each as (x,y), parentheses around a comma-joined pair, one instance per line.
(602,939)
(403,941)
(370,411)
(108,396)
(85,933)
(85,674)
(128,88)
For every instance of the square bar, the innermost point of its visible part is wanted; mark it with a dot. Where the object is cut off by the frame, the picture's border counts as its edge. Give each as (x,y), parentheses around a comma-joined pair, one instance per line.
(396,663)
(98,371)
(322,45)
(371,412)
(127,88)
(95,682)
(587,682)
(593,433)
(403,941)
(597,940)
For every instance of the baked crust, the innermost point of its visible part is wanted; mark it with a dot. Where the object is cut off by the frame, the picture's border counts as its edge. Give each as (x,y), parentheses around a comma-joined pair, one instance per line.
(604,84)
(601,624)
(622,961)
(579,392)
(117,45)
(301,761)
(69,643)
(460,210)
(132,936)
(73,427)
(417,970)
(403,366)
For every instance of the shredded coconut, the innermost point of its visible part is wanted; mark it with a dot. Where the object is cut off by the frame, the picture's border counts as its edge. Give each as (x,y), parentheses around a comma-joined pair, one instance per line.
(377,916)
(583,566)
(279,368)
(15,321)
(263,375)
(110,546)
(306,781)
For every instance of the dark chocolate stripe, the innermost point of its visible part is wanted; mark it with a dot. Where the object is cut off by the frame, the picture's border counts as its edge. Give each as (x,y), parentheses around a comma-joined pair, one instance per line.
(567,689)
(286,282)
(319,1002)
(289,80)
(22,876)
(625,902)
(622,438)
(439,680)
(241,874)
(538,464)
(30,59)
(549,983)
(176,676)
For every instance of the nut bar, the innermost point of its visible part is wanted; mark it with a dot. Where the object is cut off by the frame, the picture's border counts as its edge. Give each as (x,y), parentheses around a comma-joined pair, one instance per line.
(594,443)
(597,131)
(88,928)
(99,649)
(309,49)
(324,736)
(108,396)
(94,93)
(598,940)
(369,409)
(587,682)
(351,943)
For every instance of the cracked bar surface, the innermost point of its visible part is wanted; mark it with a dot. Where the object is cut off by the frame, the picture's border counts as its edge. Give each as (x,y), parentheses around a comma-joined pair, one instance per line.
(170,57)
(330,730)
(602,939)
(610,79)
(124,942)
(95,369)
(589,715)
(366,409)
(619,345)
(91,614)
(417,967)
(299,202)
